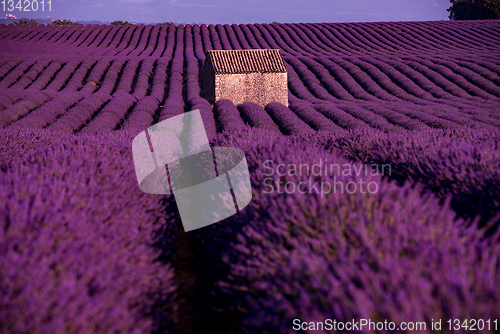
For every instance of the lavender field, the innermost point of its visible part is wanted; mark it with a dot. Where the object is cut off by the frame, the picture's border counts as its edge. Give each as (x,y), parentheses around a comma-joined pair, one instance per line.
(83,250)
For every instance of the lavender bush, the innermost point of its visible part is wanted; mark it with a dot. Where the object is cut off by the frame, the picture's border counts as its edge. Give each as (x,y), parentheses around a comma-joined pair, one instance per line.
(288,122)
(308,114)
(227,116)
(77,252)
(361,256)
(256,116)
(460,163)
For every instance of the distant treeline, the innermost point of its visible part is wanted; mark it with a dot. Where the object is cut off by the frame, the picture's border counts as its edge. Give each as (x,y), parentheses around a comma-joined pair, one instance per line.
(121,23)
(55,22)
(474,10)
(68,22)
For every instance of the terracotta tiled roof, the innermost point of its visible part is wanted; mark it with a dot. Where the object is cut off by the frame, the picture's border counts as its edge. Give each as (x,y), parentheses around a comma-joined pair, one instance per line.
(247,61)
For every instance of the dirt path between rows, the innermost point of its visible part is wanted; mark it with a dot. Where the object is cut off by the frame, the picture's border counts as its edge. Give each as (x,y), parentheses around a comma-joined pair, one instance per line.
(186,280)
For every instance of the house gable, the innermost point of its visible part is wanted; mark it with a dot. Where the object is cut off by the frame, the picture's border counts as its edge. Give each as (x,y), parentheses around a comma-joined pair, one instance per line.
(257,75)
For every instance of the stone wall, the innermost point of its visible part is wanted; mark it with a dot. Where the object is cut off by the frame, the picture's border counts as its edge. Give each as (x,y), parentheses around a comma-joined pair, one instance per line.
(261,88)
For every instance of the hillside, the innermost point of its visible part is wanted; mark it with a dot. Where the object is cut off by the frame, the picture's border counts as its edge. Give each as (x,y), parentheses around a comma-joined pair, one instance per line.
(396,75)
(83,250)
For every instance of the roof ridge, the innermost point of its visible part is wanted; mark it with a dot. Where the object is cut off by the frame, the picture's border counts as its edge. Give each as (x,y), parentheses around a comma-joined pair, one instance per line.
(247,61)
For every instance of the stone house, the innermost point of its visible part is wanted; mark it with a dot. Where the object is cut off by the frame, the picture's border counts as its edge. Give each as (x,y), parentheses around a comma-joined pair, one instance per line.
(256,75)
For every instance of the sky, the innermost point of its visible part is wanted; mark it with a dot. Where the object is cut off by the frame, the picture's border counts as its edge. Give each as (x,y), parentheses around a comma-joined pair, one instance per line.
(239,11)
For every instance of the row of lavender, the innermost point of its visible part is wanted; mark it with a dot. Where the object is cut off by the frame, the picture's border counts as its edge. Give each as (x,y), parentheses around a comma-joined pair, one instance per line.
(465,84)
(313,84)
(159,94)
(468,89)
(276,36)
(441,160)
(302,250)
(347,269)
(429,38)
(80,242)
(164,90)
(101,112)
(281,36)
